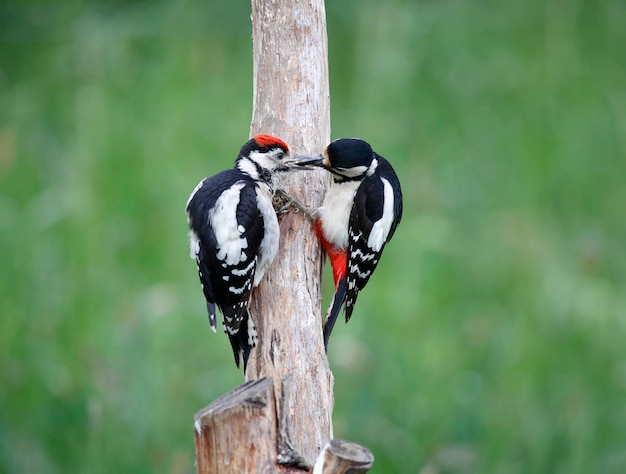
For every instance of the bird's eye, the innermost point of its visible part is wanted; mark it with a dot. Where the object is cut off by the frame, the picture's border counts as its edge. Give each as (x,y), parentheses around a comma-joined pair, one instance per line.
(280,155)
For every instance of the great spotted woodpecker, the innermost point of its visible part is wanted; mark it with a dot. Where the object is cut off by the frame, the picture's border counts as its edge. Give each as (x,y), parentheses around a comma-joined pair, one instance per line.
(359,215)
(234,235)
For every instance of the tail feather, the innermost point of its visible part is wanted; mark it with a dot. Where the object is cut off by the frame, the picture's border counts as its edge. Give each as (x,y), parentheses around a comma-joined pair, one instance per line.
(235,342)
(244,340)
(333,311)
(207,288)
(350,301)
(210,307)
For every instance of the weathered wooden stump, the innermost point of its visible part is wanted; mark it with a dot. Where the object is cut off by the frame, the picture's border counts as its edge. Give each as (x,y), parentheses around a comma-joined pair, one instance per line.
(240,432)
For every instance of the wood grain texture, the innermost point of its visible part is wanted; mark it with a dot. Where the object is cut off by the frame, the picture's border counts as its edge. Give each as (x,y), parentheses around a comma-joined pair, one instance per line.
(237,433)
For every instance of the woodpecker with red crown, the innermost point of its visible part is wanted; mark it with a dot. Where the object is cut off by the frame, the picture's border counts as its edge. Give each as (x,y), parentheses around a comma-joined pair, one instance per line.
(359,215)
(234,235)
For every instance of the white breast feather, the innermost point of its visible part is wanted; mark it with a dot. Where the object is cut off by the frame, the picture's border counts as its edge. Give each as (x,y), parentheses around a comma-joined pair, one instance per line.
(223,220)
(269,243)
(335,212)
(381,228)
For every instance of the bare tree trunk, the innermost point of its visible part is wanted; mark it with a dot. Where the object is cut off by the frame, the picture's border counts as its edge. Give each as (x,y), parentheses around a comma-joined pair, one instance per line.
(281,420)
(292,101)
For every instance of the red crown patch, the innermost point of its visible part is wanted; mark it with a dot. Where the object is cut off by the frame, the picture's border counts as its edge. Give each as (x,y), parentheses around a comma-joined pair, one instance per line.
(269,141)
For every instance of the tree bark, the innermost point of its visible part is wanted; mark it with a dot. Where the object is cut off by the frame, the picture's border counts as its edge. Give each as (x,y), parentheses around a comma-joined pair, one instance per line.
(291,100)
(281,419)
(238,432)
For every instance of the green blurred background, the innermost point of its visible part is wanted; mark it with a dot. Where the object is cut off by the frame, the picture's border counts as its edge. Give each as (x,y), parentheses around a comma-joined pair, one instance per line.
(491,340)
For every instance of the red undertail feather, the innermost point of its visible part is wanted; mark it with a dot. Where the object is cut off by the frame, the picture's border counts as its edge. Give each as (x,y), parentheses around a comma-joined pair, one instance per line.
(338,257)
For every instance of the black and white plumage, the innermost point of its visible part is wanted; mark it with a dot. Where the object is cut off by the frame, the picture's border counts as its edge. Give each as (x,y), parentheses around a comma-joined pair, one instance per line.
(234,235)
(359,215)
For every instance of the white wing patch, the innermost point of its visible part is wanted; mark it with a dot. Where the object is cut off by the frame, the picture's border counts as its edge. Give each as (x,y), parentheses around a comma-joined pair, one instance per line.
(381,228)
(194,245)
(223,220)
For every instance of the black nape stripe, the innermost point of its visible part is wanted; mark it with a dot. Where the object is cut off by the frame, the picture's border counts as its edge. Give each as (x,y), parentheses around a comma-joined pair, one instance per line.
(265,175)
(338,178)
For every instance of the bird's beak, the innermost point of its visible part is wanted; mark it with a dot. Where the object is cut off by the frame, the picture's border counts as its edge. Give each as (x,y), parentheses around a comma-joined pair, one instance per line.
(306,162)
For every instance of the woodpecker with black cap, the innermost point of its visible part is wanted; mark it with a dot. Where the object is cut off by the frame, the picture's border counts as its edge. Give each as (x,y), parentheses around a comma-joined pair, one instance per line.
(359,215)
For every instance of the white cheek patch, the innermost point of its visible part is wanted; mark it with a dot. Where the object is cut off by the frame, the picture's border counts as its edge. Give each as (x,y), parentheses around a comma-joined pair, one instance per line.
(266,161)
(381,228)
(223,220)
(352,172)
(248,167)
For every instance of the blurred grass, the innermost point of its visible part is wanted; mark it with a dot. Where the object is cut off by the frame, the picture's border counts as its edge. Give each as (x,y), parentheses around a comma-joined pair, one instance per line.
(491,338)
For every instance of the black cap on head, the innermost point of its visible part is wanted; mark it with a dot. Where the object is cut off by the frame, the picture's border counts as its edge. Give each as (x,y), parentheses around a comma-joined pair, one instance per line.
(348,153)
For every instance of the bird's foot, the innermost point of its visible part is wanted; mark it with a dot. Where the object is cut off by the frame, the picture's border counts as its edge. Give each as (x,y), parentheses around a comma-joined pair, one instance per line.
(283,202)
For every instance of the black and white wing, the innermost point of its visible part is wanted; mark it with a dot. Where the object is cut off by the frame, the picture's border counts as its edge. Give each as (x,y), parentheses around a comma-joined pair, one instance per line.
(226,249)
(376,212)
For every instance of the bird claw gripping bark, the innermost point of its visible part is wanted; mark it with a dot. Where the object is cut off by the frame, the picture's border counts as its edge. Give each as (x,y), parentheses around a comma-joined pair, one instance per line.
(283,202)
